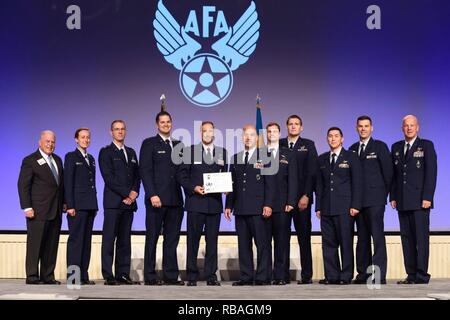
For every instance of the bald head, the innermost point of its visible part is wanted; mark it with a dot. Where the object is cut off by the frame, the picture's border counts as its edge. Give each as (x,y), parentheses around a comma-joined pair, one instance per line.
(410,127)
(47,142)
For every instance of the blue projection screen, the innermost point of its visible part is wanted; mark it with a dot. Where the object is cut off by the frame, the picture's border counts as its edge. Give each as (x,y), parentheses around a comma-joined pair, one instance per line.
(325,60)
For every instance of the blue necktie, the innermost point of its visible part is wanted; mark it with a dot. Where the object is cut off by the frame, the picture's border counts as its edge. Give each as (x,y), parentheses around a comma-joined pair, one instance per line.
(53,169)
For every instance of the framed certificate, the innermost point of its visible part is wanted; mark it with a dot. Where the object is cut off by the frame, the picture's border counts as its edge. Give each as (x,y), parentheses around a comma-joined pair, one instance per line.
(217,182)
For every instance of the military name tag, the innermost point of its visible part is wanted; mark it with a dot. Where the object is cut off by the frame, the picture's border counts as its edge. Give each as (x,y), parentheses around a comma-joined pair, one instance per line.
(79,163)
(418,154)
(217,182)
(41,161)
(161,151)
(371,156)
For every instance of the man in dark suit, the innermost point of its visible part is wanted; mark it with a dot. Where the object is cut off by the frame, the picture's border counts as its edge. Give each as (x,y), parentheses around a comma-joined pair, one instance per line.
(284,162)
(412,193)
(306,158)
(160,159)
(41,194)
(377,177)
(120,171)
(339,199)
(251,202)
(203,209)
(81,199)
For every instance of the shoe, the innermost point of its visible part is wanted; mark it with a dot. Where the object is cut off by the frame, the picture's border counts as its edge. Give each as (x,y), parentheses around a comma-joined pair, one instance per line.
(383,281)
(305,281)
(174,282)
(191,283)
(213,283)
(345,282)
(421,282)
(262,283)
(153,282)
(87,283)
(111,282)
(326,281)
(124,279)
(33,281)
(242,283)
(359,281)
(279,282)
(52,282)
(288,281)
(406,281)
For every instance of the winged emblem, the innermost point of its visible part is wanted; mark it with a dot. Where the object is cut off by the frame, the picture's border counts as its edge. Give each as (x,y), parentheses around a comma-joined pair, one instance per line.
(236,46)
(172,41)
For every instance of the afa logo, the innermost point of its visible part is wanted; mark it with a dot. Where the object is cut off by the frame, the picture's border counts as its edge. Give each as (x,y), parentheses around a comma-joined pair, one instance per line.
(206,76)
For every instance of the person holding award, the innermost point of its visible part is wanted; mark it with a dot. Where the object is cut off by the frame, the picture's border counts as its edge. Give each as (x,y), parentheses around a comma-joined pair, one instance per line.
(203,209)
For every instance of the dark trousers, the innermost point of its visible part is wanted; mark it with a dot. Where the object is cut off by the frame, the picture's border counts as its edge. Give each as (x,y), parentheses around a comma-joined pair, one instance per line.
(79,242)
(337,233)
(196,222)
(415,235)
(370,224)
(116,230)
(255,228)
(42,247)
(169,220)
(281,233)
(302,224)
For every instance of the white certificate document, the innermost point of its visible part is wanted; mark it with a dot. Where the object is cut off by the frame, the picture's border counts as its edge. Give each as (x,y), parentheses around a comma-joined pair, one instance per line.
(217,182)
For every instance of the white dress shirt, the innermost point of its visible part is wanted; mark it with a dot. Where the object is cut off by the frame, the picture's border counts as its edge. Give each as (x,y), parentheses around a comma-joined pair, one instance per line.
(365,142)
(337,153)
(46,158)
(274,150)
(167,138)
(250,154)
(120,149)
(84,154)
(410,145)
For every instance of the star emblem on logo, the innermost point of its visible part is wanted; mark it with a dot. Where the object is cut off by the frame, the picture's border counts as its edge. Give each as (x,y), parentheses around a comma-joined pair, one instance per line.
(206,80)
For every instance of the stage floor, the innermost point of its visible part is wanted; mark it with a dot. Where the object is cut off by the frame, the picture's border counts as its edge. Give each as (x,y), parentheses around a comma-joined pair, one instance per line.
(17,289)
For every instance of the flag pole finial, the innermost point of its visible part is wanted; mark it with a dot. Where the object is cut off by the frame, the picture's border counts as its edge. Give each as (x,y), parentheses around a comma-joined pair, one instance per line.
(163,102)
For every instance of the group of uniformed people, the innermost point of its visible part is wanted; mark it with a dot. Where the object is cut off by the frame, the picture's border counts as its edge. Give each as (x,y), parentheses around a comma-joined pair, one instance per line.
(272,186)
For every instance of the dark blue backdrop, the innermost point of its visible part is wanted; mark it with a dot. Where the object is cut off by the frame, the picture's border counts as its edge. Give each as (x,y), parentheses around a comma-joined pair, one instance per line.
(315,58)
